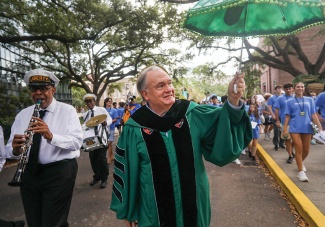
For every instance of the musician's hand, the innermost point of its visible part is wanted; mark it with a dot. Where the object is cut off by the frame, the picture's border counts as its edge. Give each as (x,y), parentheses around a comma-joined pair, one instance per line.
(130,223)
(17,143)
(233,97)
(104,123)
(41,127)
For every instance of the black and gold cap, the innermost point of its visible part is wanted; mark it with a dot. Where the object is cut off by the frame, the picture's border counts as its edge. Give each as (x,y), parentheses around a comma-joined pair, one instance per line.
(89,97)
(40,77)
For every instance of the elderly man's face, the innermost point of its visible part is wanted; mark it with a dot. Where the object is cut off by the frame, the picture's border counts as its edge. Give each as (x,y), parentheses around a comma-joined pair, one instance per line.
(160,93)
(44,93)
(90,103)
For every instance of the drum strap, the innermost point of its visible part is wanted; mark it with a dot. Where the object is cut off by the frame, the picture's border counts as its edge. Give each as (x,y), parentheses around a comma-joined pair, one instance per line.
(96,127)
(87,116)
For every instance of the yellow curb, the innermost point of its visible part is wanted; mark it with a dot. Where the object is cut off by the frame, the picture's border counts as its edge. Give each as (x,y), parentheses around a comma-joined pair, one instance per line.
(305,207)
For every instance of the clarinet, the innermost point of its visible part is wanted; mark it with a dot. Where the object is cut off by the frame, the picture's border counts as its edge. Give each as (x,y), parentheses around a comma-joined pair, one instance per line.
(16,181)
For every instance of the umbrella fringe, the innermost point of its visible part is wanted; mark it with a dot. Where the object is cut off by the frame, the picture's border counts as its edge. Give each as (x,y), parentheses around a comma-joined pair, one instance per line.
(258,36)
(229,4)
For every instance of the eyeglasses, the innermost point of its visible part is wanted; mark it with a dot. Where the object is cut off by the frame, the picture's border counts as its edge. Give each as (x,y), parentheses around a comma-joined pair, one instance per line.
(42,89)
(89,100)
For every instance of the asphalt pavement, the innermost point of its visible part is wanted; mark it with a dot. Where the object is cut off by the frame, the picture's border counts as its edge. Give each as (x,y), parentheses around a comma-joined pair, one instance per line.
(241,195)
(307,197)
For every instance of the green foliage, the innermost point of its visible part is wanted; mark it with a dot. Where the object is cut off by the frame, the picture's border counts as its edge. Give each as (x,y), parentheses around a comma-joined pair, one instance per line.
(113,87)
(307,79)
(252,80)
(211,81)
(92,43)
(286,53)
(202,82)
(77,97)
(10,106)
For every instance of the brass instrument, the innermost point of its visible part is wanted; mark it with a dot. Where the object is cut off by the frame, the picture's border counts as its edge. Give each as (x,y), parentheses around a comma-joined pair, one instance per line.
(94,121)
(16,181)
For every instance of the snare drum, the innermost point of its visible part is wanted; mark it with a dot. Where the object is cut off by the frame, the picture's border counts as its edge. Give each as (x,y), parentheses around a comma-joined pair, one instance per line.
(91,141)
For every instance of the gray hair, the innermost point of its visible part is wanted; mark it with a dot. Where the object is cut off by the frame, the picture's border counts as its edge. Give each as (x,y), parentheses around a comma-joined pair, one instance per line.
(141,82)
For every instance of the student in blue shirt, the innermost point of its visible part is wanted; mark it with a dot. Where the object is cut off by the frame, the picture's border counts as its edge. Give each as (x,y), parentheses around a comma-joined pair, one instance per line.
(320,104)
(120,112)
(277,141)
(300,111)
(280,116)
(215,101)
(133,106)
(254,118)
(114,115)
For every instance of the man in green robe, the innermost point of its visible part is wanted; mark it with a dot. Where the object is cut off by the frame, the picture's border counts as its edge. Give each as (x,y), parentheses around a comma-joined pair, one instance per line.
(159,173)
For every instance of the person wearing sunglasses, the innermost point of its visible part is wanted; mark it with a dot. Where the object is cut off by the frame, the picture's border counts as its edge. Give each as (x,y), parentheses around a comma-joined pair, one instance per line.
(48,180)
(98,156)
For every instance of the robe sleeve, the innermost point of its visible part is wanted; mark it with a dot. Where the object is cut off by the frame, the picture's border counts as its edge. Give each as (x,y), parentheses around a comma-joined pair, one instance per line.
(126,176)
(223,133)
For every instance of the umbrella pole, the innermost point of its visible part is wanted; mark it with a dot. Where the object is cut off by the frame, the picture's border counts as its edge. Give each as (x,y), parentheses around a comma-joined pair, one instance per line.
(241,54)
(242,45)
(240,59)
(242,39)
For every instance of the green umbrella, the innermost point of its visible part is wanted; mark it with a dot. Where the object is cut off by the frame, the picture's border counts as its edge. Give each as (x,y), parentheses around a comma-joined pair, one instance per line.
(238,18)
(242,18)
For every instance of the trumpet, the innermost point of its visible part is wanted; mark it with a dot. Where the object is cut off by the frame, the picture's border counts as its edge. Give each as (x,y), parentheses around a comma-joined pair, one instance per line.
(16,181)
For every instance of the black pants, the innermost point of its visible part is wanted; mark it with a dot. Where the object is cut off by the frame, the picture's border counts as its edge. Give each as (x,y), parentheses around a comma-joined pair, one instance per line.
(11,223)
(277,141)
(98,161)
(47,195)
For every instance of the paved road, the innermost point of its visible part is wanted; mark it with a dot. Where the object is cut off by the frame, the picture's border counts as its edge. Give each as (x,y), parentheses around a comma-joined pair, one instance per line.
(315,188)
(308,197)
(241,195)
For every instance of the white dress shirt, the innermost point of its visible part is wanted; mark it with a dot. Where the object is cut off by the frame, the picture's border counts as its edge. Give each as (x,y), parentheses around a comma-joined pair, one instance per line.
(97,111)
(2,149)
(64,124)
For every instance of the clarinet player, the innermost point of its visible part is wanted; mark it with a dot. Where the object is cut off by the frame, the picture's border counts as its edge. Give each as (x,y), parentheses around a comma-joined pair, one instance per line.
(48,179)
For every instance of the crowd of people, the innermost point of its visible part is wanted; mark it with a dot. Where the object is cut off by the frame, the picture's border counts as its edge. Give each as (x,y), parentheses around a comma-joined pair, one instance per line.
(288,113)
(46,138)
(159,157)
(159,147)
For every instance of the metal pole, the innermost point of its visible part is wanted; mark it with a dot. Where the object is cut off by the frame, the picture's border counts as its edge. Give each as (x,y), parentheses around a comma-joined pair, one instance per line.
(242,46)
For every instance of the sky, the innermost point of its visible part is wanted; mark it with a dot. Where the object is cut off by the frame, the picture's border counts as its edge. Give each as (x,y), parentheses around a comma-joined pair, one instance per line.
(220,55)
(216,56)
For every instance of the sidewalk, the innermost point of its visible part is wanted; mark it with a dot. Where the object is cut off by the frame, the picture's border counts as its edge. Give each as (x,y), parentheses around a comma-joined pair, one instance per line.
(241,196)
(308,197)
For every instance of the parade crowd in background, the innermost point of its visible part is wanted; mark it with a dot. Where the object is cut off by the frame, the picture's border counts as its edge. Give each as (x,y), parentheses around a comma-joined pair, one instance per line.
(288,118)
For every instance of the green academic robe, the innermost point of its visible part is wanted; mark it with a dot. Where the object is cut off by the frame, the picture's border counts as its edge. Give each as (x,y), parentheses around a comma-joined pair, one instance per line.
(159,174)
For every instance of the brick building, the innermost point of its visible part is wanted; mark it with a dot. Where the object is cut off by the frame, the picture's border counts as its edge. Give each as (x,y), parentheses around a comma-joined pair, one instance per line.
(311,45)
